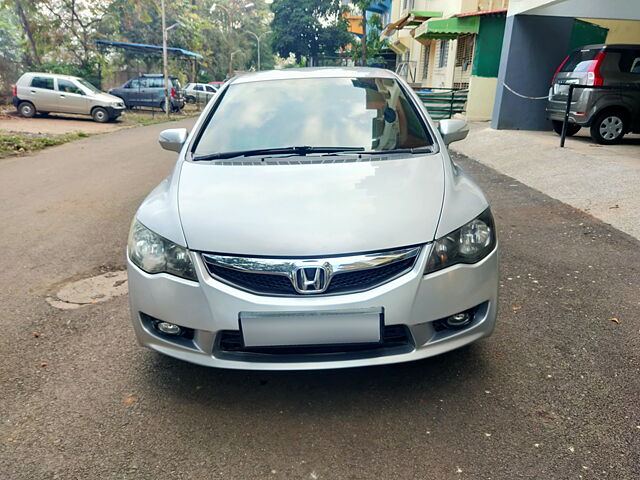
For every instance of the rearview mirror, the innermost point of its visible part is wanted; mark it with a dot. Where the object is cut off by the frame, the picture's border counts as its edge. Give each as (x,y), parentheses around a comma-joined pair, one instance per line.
(453,130)
(173,139)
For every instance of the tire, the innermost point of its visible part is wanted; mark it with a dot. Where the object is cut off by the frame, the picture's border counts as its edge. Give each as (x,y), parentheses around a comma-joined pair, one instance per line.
(572,128)
(191,99)
(26,109)
(100,115)
(608,127)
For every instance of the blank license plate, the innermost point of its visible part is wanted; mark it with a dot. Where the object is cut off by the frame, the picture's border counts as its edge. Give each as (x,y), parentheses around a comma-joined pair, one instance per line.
(267,329)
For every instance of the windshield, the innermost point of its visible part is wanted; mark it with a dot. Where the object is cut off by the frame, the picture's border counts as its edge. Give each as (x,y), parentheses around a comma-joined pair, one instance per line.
(579,61)
(86,84)
(367,113)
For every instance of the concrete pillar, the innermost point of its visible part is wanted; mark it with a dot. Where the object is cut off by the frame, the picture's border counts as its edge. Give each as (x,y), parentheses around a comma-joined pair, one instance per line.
(533,48)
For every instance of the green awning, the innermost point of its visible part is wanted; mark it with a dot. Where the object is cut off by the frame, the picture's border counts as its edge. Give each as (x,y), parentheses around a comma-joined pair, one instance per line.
(447,28)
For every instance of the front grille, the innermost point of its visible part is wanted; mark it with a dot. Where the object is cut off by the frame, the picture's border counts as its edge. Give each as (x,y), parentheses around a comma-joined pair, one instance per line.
(281,285)
(256,282)
(394,339)
(366,279)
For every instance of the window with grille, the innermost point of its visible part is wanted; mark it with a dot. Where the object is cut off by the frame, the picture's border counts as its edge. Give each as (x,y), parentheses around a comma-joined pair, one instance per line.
(464,53)
(444,53)
(426,50)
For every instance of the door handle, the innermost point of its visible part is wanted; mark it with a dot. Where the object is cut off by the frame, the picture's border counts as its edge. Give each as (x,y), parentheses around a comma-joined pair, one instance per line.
(33,91)
(62,96)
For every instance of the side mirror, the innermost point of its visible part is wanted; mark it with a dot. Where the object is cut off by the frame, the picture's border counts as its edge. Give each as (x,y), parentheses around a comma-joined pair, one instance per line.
(453,130)
(173,139)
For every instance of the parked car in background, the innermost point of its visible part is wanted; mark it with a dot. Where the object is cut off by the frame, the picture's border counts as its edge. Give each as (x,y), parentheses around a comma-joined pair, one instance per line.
(48,92)
(314,220)
(199,92)
(609,113)
(148,91)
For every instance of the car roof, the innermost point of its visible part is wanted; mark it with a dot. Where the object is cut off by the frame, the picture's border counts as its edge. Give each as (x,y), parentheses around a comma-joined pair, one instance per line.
(55,75)
(313,72)
(155,75)
(606,46)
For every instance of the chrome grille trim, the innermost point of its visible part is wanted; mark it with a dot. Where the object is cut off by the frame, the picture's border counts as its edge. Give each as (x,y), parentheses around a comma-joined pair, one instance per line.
(287,267)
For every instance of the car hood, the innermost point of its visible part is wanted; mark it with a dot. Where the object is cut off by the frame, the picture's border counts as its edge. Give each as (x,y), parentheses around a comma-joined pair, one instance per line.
(311,209)
(106,97)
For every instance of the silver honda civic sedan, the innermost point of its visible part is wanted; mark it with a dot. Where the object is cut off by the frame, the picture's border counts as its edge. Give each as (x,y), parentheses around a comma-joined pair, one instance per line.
(313,220)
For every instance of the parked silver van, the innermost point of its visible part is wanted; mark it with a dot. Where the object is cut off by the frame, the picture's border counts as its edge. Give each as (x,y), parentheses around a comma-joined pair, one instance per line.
(609,113)
(48,92)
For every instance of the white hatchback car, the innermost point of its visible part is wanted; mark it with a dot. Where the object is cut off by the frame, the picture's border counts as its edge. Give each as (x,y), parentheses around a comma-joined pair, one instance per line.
(199,92)
(49,92)
(313,220)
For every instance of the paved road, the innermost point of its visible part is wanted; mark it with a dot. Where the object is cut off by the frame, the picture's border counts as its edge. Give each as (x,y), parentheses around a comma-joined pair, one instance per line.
(554,394)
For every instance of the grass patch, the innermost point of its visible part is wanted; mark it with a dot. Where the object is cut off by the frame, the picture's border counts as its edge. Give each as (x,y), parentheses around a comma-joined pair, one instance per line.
(19,143)
(139,118)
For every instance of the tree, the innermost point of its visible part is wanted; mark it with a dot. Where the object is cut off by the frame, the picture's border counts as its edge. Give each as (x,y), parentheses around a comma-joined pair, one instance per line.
(374,45)
(362,6)
(10,64)
(308,28)
(58,35)
(78,20)
(33,57)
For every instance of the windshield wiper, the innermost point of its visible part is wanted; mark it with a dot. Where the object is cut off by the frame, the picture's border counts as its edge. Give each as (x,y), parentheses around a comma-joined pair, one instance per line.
(416,150)
(300,150)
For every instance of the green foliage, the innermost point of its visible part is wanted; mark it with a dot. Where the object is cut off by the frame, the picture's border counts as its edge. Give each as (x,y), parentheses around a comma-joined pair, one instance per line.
(87,72)
(308,28)
(9,49)
(374,44)
(58,36)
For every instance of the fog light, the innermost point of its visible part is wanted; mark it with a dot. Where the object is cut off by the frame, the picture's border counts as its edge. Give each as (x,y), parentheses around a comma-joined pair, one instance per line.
(169,328)
(458,320)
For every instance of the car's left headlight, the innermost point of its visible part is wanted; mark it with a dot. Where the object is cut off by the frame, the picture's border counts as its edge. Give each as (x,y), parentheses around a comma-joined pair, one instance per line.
(155,254)
(468,244)
(116,104)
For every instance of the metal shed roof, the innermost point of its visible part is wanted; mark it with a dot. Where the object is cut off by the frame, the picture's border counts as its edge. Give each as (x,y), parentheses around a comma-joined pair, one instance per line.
(143,48)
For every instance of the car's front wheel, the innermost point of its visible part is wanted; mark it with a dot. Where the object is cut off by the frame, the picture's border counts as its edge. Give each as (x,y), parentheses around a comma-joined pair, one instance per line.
(26,110)
(572,128)
(608,127)
(100,115)
(191,99)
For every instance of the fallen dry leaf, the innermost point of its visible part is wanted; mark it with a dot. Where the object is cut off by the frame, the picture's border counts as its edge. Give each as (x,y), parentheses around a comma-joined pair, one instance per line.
(129,399)
(517,308)
(43,364)
(615,320)
(36,334)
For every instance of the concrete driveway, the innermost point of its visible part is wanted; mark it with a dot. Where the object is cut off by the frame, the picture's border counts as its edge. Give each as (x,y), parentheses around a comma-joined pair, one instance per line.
(601,180)
(552,395)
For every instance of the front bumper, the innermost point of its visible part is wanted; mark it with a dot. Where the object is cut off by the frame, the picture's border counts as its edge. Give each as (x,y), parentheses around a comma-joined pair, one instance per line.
(115,112)
(413,300)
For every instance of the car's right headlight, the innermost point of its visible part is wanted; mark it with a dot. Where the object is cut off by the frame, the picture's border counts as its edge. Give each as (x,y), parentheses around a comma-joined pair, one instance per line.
(468,244)
(155,254)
